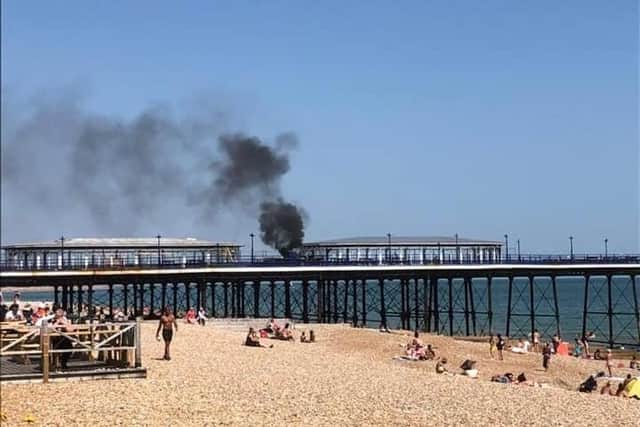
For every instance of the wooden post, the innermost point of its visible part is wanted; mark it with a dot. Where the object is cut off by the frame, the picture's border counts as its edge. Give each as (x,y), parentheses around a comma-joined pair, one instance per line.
(138,343)
(44,347)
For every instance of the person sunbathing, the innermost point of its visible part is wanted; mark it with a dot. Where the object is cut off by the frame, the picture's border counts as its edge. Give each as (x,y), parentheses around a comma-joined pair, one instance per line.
(606,389)
(415,348)
(271,329)
(633,363)
(522,347)
(303,337)
(468,368)
(312,336)
(253,339)
(441,366)
(285,333)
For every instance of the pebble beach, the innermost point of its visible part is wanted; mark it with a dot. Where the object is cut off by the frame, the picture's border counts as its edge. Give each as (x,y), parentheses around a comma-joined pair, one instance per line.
(348,377)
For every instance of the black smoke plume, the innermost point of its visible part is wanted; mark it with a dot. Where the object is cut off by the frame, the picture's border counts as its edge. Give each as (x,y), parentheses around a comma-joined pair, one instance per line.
(65,168)
(282,225)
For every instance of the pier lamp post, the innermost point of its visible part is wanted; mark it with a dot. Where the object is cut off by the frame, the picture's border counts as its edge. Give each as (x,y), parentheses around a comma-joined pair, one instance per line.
(457,249)
(62,251)
(519,259)
(159,253)
(506,247)
(388,247)
(606,247)
(252,236)
(571,246)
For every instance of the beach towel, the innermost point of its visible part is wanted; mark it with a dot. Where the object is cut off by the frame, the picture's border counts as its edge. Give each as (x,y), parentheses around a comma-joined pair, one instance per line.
(633,388)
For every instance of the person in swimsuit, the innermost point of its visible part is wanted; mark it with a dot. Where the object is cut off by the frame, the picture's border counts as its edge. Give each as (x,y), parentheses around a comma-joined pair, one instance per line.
(253,339)
(167,323)
(609,361)
(492,345)
(546,356)
(500,344)
(536,340)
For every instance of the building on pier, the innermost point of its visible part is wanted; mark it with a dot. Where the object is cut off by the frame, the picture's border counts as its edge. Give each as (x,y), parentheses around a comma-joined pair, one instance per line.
(432,249)
(118,252)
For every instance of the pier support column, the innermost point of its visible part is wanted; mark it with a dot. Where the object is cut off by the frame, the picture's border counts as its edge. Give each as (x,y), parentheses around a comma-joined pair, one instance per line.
(346,301)
(472,306)
(152,287)
(383,308)
(256,298)
(163,296)
(509,298)
(610,311)
(125,297)
(354,299)
(426,296)
(212,286)
(555,304)
(225,288)
(636,304)
(490,304)
(305,301)
(585,308)
(56,300)
(175,299)
(334,286)
(364,302)
(403,303)
(272,286)
(187,293)
(110,290)
(449,284)
(287,299)
(465,284)
(531,304)
(416,304)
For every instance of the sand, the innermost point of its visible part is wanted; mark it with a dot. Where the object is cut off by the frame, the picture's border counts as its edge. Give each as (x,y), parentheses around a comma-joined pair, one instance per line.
(348,377)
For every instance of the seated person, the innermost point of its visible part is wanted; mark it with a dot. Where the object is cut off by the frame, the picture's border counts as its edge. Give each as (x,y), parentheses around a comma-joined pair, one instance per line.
(202,316)
(303,337)
(190,317)
(441,367)
(119,316)
(252,340)
(312,336)
(285,333)
(597,355)
(415,348)
(429,354)
(522,347)
(577,349)
(606,389)
(271,328)
(589,385)
(633,363)
(468,368)
(14,314)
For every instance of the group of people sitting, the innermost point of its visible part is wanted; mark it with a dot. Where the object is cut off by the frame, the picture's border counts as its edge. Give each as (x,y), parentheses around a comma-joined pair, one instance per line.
(192,318)
(416,350)
(627,388)
(468,367)
(274,331)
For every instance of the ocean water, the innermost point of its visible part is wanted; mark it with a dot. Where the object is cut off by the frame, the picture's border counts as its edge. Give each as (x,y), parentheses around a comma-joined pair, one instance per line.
(570,301)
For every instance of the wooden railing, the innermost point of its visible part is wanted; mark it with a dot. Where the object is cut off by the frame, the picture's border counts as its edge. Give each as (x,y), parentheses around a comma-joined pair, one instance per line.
(113,343)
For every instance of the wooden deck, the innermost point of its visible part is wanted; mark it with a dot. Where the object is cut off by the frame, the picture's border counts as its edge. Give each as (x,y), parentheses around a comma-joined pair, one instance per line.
(12,371)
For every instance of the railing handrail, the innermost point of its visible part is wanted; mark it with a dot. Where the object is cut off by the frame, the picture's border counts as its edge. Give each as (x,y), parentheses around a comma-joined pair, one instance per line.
(77,265)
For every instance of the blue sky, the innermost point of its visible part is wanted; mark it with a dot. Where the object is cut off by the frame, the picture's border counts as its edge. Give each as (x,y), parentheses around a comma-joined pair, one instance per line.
(415,118)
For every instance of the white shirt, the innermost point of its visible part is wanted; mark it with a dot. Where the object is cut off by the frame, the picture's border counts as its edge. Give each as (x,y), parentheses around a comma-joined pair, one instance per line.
(10,316)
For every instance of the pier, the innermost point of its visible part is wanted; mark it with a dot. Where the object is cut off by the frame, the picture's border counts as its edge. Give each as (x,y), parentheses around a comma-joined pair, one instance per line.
(453,299)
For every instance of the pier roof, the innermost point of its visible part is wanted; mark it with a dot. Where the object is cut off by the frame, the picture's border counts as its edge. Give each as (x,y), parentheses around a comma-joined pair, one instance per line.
(122,243)
(403,241)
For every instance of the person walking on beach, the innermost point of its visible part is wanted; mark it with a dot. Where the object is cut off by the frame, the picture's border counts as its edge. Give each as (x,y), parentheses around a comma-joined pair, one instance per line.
(492,345)
(536,340)
(546,356)
(500,344)
(167,323)
(609,362)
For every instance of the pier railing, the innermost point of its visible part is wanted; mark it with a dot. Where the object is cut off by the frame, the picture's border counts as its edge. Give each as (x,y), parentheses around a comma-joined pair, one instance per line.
(10,265)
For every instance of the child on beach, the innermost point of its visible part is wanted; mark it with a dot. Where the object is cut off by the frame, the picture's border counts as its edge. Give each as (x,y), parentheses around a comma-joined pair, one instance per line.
(546,356)
(202,316)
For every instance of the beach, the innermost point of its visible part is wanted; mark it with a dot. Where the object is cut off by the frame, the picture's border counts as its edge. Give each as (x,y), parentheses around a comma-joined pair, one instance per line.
(348,377)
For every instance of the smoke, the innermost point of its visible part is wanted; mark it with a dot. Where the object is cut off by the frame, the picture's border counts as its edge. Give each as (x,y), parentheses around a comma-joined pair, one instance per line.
(282,225)
(72,169)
